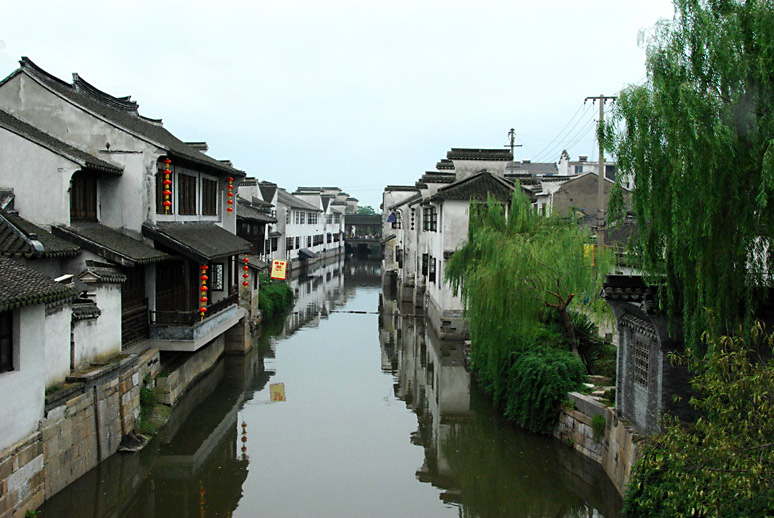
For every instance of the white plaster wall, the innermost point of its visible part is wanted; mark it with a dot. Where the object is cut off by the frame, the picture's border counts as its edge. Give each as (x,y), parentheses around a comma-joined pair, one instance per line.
(466,168)
(40,179)
(57,359)
(35,104)
(109,301)
(453,218)
(24,387)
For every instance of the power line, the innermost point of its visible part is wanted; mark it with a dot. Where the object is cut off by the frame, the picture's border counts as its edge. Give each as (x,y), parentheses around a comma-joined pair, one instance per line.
(552,147)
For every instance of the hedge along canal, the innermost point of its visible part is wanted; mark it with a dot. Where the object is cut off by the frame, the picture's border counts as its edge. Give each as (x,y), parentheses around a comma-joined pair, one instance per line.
(379,420)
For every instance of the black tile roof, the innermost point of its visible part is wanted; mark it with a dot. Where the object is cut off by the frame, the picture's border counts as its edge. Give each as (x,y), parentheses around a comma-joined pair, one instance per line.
(245,211)
(20,238)
(255,262)
(109,243)
(22,286)
(479,154)
(296,203)
(84,310)
(257,202)
(533,168)
(83,159)
(444,164)
(478,186)
(202,242)
(438,177)
(102,273)
(267,190)
(124,112)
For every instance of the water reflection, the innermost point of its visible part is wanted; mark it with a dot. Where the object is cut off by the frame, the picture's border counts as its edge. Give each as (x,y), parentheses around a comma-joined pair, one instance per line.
(481,463)
(344,443)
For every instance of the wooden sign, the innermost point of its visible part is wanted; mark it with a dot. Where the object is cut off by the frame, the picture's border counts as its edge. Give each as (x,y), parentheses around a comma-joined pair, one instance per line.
(277,391)
(279,270)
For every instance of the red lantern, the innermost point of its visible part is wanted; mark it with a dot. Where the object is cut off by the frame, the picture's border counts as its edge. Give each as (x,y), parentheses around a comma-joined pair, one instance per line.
(167,186)
(203,300)
(230,193)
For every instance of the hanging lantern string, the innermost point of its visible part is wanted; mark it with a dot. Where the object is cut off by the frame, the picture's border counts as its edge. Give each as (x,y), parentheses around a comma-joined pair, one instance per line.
(230,194)
(203,299)
(167,186)
(245,275)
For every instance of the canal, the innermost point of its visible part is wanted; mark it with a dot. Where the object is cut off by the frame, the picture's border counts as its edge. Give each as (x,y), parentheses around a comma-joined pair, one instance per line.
(379,419)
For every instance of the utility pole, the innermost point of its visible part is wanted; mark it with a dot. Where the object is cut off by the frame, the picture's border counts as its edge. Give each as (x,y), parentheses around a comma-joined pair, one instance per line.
(601,171)
(512,138)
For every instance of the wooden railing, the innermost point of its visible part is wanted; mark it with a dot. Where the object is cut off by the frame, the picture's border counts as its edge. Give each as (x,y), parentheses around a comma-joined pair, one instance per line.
(189,318)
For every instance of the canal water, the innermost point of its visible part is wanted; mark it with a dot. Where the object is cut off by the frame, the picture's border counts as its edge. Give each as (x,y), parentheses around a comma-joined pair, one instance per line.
(379,419)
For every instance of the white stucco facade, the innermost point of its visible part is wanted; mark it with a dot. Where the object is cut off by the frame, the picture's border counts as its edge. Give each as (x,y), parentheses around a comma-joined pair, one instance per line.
(24,387)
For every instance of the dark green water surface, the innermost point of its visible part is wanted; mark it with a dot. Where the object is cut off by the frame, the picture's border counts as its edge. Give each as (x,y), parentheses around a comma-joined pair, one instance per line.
(380,420)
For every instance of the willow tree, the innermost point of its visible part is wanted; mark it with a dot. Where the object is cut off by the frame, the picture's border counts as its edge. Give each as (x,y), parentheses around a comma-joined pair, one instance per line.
(698,136)
(518,273)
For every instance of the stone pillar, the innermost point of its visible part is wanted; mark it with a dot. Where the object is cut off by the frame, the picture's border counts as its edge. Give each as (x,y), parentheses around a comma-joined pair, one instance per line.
(238,338)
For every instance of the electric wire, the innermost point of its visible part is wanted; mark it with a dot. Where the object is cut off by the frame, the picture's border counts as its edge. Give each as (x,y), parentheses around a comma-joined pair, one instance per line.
(561,131)
(561,140)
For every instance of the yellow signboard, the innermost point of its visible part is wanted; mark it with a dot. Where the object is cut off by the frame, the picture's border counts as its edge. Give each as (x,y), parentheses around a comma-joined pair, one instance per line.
(277,391)
(279,270)
(589,252)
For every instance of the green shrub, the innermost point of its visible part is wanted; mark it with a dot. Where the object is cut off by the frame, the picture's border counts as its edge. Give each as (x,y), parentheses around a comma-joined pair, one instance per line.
(537,385)
(598,423)
(273,296)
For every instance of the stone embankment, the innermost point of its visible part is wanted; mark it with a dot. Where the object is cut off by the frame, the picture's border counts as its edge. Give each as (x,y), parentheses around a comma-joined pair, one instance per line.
(616,448)
(87,418)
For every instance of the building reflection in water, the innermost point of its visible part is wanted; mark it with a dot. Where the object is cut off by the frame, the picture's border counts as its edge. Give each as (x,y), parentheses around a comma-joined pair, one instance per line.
(196,466)
(482,464)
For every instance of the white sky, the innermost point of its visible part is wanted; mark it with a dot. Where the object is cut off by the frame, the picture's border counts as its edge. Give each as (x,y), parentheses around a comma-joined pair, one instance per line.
(353,94)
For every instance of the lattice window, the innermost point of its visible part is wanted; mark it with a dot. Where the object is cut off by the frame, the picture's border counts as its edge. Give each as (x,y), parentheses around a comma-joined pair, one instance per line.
(641,361)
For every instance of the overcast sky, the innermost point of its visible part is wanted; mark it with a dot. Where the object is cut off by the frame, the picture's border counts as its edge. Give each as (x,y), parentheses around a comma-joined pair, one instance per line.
(353,94)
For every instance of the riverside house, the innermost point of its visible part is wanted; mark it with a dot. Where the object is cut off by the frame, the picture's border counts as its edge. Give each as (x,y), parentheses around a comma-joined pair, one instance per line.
(115,208)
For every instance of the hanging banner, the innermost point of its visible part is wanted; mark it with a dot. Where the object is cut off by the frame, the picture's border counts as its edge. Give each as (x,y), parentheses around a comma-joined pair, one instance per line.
(589,253)
(277,391)
(279,270)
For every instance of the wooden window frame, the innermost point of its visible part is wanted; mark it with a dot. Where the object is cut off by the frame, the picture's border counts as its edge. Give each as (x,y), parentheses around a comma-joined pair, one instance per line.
(209,197)
(83,197)
(160,209)
(217,274)
(186,194)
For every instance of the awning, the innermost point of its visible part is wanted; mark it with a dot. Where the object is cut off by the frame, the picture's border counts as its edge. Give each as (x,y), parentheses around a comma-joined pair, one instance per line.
(109,243)
(257,264)
(389,237)
(201,242)
(305,253)
(275,234)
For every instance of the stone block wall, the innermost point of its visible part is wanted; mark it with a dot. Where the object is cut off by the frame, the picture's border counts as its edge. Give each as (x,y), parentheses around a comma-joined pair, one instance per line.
(22,474)
(616,450)
(69,442)
(237,339)
(171,387)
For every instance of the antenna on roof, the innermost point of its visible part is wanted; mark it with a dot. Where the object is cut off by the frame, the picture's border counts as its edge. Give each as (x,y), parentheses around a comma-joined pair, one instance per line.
(512,138)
